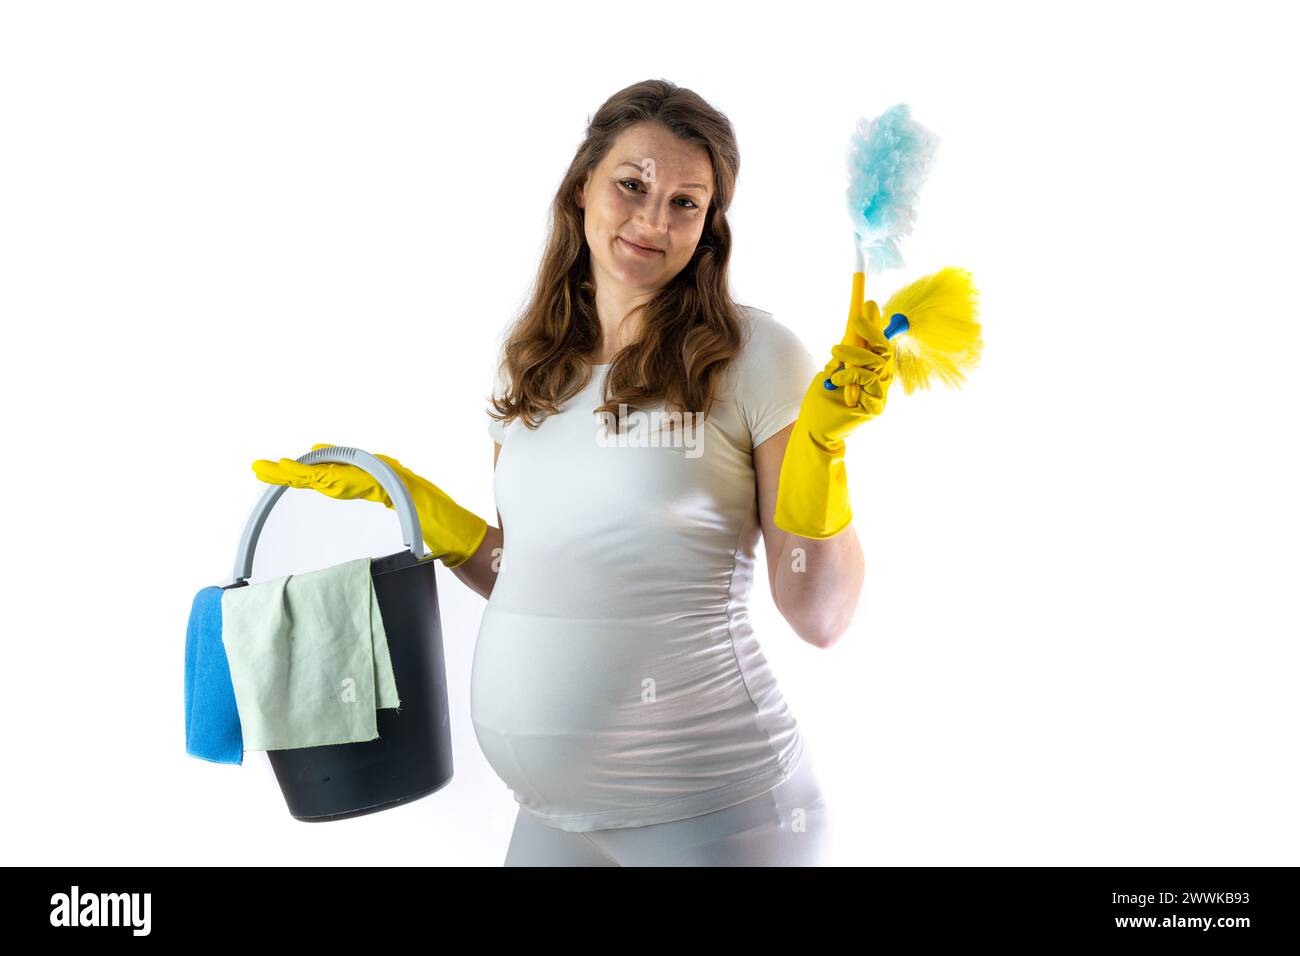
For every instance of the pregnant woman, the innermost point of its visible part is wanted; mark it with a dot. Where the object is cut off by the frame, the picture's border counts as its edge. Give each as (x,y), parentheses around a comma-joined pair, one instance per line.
(647,431)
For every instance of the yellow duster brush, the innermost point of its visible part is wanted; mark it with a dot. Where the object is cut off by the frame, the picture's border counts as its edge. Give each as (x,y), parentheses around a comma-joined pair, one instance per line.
(933,320)
(889,159)
(943,339)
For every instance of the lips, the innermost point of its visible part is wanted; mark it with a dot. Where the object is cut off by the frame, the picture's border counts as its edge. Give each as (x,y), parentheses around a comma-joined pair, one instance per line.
(637,245)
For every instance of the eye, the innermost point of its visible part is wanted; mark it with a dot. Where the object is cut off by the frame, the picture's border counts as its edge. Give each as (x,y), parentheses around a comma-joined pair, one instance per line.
(636,182)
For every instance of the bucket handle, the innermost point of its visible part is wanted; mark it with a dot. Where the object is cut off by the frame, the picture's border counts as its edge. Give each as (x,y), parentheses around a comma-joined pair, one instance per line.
(341,455)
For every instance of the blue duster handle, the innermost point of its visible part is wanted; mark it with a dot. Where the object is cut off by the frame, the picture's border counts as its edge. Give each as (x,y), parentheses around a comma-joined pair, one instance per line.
(898,324)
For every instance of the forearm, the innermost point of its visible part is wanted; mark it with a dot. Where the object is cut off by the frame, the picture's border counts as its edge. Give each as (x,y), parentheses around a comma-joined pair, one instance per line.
(817,584)
(479,571)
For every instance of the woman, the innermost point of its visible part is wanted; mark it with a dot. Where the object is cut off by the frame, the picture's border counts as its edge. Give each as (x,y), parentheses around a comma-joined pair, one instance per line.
(647,431)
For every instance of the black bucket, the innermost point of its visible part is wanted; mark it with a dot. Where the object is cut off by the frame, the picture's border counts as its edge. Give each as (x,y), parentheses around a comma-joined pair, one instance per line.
(411,757)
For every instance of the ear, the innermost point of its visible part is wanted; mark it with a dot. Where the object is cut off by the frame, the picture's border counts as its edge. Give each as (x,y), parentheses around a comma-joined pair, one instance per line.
(580,195)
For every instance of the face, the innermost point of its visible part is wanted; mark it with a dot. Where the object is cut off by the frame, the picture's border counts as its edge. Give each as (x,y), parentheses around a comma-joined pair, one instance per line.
(645,207)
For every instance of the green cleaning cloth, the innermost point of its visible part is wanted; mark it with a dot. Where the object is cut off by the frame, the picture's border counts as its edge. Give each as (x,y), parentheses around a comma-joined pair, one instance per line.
(308,658)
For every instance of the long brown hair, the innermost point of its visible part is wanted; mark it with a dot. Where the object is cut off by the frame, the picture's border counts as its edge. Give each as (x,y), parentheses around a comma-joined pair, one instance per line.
(691,327)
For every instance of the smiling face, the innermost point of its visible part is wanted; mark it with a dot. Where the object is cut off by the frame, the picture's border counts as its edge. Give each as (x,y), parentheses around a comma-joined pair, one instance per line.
(645,207)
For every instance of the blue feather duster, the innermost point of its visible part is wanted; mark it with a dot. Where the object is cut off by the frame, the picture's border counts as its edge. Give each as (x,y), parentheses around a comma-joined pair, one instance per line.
(889,159)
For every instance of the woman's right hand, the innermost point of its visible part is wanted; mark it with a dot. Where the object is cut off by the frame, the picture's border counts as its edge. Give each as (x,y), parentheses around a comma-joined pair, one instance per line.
(336,480)
(451,532)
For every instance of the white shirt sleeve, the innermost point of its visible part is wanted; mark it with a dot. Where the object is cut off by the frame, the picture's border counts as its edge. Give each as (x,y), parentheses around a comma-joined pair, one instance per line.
(774,373)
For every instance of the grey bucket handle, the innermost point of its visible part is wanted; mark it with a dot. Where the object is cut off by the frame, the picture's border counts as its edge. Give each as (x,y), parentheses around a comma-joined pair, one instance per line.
(341,455)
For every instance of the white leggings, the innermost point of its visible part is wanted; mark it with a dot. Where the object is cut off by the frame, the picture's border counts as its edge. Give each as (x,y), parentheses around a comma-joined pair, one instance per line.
(787,826)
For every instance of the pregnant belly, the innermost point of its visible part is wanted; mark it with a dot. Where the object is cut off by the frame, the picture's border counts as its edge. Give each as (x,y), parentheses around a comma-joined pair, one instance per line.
(590,714)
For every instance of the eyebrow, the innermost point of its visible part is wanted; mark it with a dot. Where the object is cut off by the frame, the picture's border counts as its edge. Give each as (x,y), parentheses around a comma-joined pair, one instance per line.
(628,162)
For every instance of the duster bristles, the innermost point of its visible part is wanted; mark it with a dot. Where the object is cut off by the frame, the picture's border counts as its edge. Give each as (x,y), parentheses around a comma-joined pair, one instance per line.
(889,159)
(944,338)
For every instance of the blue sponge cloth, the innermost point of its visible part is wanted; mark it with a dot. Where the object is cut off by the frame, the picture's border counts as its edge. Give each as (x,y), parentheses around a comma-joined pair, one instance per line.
(212,729)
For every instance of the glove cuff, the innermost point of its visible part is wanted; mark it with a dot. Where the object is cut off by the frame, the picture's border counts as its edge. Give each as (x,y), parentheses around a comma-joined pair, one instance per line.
(812,496)
(452,533)
(454,559)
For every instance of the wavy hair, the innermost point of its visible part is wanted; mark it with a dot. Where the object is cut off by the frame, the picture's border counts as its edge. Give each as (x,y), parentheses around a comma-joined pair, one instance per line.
(691,327)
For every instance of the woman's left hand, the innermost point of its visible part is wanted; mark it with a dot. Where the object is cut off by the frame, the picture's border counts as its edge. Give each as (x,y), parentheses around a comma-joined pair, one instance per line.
(869,364)
(812,496)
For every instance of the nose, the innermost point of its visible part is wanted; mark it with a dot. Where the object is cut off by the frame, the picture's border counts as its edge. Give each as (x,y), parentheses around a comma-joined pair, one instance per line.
(654,216)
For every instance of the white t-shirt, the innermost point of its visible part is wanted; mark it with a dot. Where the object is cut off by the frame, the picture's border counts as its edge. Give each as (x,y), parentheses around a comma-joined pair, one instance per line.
(616,679)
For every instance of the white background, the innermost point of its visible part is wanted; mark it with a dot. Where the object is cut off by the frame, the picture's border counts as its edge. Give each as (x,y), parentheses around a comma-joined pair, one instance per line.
(229,231)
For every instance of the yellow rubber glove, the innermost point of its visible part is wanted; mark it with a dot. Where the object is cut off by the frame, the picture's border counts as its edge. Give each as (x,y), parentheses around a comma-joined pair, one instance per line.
(812,498)
(451,533)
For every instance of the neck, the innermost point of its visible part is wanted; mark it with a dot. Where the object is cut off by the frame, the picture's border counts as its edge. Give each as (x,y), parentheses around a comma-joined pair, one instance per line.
(620,325)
